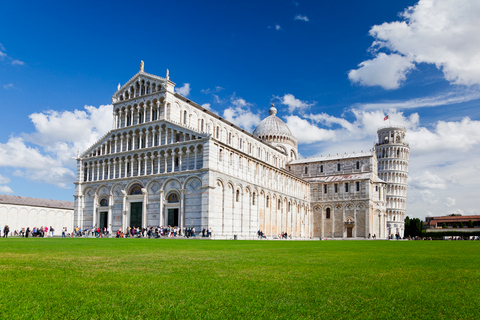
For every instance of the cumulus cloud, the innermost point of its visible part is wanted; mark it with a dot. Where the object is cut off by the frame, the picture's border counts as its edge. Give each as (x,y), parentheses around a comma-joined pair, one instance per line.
(184,91)
(293,103)
(305,132)
(277,27)
(241,115)
(5,189)
(386,71)
(301,17)
(45,155)
(207,106)
(4,180)
(446,136)
(427,180)
(64,133)
(441,33)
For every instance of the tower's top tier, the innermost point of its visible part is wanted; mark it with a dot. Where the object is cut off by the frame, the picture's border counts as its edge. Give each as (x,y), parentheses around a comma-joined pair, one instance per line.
(392,135)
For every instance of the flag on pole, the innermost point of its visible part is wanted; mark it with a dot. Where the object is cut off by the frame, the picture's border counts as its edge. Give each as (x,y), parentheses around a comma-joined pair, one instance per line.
(386,118)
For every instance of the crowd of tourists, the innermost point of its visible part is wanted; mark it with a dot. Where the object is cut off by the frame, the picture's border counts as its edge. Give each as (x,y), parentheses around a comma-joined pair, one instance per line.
(27,232)
(137,232)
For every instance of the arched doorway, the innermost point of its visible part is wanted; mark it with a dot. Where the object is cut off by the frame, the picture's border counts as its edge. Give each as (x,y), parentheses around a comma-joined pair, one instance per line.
(135,207)
(173,208)
(103,223)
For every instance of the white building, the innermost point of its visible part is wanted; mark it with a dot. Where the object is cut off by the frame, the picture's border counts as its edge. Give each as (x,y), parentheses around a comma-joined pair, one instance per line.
(23,212)
(168,161)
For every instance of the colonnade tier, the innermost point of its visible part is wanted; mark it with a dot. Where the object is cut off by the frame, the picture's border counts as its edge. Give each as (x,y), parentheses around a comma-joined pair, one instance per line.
(394,177)
(147,163)
(387,151)
(143,137)
(396,203)
(397,190)
(393,165)
(140,88)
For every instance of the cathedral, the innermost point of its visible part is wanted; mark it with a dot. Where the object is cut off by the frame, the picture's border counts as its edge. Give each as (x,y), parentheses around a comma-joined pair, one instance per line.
(170,162)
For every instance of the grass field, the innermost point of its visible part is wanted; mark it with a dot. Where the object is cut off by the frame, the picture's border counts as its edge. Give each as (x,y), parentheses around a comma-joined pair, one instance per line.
(171,279)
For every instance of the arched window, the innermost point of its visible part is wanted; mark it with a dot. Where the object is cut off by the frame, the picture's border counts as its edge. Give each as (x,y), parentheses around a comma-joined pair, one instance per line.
(136,190)
(218,132)
(321,168)
(268,201)
(104,203)
(279,204)
(327,213)
(306,170)
(254,198)
(173,198)
(185,117)
(237,197)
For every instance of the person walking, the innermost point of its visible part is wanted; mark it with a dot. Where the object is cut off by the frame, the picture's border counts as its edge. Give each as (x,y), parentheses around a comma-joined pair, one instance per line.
(6,230)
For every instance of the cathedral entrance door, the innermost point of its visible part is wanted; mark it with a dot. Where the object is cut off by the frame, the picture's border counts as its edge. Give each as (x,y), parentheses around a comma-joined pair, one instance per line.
(136,214)
(349,232)
(103,220)
(172,217)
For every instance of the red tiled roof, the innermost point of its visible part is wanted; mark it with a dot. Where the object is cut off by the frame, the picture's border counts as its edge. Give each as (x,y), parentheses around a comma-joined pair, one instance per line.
(36,202)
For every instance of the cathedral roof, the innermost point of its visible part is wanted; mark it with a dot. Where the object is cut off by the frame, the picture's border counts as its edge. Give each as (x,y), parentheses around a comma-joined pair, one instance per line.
(272,125)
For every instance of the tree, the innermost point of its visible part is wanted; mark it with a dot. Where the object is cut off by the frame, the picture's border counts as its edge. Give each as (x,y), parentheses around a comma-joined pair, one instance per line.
(444,225)
(454,225)
(470,223)
(461,224)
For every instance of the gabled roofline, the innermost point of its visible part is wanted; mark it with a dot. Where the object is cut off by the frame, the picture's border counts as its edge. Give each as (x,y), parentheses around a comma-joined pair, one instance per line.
(142,73)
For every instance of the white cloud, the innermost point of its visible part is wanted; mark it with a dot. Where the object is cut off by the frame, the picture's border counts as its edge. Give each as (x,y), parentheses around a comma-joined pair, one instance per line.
(446,136)
(241,115)
(45,155)
(17,63)
(207,106)
(64,133)
(386,71)
(455,96)
(277,27)
(293,103)
(442,33)
(305,132)
(8,86)
(301,17)
(427,180)
(449,202)
(4,180)
(32,164)
(184,91)
(5,189)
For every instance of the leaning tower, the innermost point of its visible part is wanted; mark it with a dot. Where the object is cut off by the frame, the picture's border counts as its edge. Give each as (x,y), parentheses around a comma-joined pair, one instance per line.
(392,154)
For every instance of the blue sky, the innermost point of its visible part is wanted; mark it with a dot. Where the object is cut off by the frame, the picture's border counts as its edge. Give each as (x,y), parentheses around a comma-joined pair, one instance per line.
(334,69)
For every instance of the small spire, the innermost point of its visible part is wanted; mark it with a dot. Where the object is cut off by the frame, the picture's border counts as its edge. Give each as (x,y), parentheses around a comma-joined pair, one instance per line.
(142,66)
(168,75)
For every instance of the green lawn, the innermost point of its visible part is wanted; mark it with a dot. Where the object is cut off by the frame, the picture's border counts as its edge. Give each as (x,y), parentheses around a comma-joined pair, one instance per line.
(172,279)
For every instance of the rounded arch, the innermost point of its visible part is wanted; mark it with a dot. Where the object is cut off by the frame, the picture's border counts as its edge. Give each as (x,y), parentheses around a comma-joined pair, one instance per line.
(172,183)
(192,183)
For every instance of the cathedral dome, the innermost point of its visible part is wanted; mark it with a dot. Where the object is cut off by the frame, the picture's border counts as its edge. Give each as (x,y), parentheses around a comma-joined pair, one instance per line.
(273,129)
